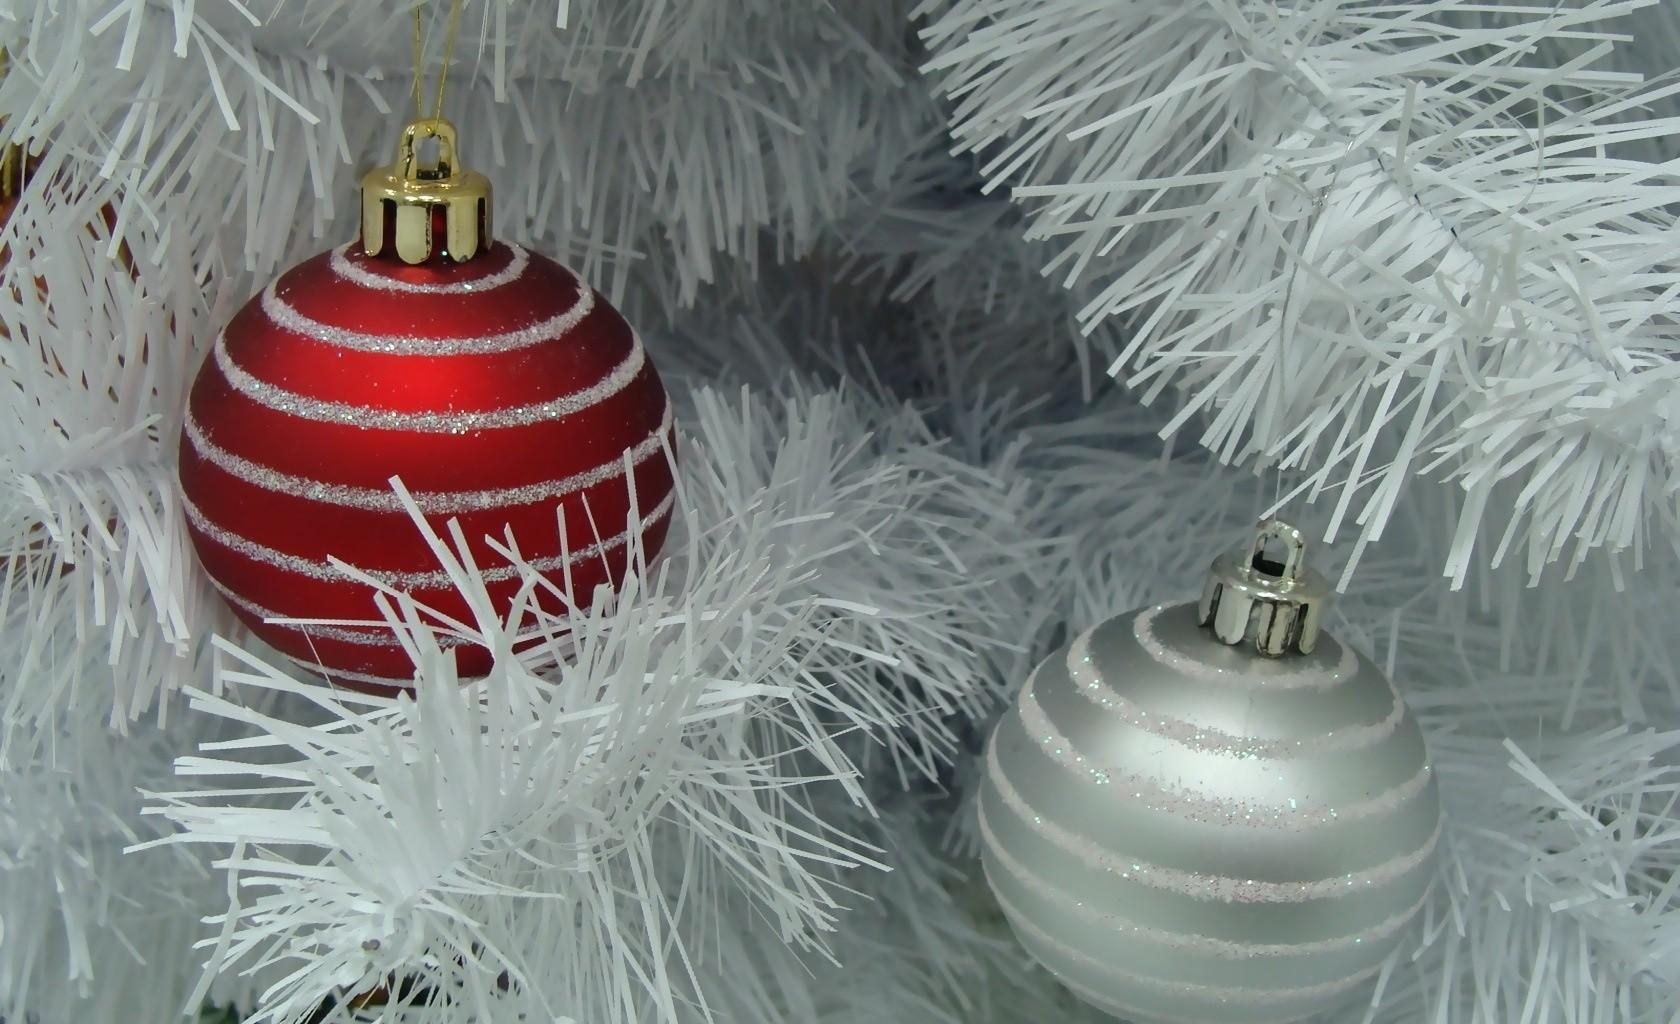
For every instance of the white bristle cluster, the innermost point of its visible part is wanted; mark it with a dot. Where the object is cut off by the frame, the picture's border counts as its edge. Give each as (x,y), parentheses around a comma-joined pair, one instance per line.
(1412,262)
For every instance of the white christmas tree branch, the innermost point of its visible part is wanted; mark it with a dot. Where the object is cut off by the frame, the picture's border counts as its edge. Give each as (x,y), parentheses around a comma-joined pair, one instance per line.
(819,598)
(1363,242)
(269,116)
(90,932)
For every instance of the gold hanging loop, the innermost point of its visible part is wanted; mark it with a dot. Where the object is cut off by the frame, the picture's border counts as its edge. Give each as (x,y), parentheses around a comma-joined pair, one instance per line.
(419,209)
(426,209)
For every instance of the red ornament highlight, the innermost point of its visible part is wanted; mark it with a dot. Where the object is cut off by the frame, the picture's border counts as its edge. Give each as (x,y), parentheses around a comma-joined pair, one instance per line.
(503,391)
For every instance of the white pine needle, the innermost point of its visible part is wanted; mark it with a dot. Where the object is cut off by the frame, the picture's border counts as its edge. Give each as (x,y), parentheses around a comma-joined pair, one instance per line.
(1364,241)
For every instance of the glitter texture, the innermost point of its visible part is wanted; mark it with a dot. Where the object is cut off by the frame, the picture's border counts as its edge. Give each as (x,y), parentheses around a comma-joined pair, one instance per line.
(1171,871)
(373,636)
(1151,795)
(430,502)
(284,316)
(1194,884)
(357,274)
(504,391)
(433,422)
(1089,684)
(1280,674)
(1184,942)
(340,674)
(1248,995)
(434,580)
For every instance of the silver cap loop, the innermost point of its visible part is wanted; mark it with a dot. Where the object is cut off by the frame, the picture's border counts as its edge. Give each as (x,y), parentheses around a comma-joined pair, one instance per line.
(1266,593)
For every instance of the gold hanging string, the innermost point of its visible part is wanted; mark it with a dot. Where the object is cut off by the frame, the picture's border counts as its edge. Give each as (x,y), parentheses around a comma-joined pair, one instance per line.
(449,37)
(425,205)
(451,33)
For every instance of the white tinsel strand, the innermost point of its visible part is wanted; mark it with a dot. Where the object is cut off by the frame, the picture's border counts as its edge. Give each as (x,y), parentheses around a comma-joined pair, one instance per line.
(262,122)
(1365,254)
(93,541)
(87,933)
(800,331)
(913,948)
(1644,48)
(812,591)
(892,528)
(104,347)
(436,863)
(606,44)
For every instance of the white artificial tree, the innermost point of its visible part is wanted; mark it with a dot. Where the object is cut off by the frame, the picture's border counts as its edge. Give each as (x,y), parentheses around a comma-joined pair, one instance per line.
(1404,270)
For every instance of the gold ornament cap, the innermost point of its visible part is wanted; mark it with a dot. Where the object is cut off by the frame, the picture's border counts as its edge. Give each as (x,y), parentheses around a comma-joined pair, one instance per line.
(1271,600)
(426,210)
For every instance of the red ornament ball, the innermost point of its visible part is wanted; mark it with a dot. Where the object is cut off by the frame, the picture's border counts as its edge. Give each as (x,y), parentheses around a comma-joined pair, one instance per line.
(503,391)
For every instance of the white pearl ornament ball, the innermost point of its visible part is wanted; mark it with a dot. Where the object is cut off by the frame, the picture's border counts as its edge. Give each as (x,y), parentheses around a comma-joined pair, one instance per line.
(1210,812)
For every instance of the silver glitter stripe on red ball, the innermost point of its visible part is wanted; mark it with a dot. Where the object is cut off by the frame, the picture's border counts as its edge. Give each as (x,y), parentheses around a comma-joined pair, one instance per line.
(1194,884)
(517,264)
(1089,684)
(434,580)
(285,316)
(444,421)
(375,499)
(346,675)
(1151,795)
(374,635)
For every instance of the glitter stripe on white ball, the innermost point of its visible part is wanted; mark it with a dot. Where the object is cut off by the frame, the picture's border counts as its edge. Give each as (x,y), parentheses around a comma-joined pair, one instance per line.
(431,502)
(1089,684)
(285,316)
(434,580)
(444,421)
(1151,795)
(343,267)
(1215,994)
(1188,942)
(1102,1002)
(1197,885)
(1283,674)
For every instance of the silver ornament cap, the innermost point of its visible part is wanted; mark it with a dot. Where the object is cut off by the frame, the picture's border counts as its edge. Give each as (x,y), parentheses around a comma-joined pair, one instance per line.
(1266,594)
